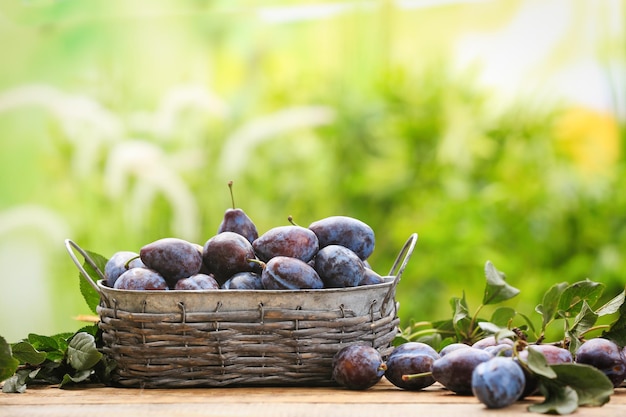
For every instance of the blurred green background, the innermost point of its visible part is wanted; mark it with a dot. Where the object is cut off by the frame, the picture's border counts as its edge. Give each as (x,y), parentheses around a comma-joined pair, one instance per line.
(493,129)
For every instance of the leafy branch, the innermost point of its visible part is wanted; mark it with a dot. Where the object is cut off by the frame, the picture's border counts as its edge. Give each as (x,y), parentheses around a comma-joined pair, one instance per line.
(565,387)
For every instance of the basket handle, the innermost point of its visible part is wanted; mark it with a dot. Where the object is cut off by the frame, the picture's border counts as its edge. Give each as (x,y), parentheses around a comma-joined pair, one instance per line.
(71,246)
(398,268)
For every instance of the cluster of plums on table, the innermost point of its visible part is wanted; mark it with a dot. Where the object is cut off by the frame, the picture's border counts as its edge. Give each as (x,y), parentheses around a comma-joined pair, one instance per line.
(330,253)
(488,369)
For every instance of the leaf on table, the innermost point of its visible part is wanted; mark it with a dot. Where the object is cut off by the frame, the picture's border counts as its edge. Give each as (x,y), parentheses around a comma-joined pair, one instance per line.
(593,387)
(27,354)
(8,364)
(15,385)
(497,289)
(82,353)
(78,377)
(558,400)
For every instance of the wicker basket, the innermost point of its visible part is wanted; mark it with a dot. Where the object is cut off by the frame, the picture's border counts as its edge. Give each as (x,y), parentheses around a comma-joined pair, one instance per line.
(216,338)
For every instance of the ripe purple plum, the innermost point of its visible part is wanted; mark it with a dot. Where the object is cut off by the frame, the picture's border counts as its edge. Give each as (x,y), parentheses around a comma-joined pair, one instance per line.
(358,367)
(454,370)
(236,220)
(553,354)
(290,240)
(411,358)
(287,273)
(172,258)
(197,282)
(228,253)
(141,279)
(452,347)
(498,382)
(371,277)
(339,267)
(346,231)
(605,355)
(119,263)
(244,281)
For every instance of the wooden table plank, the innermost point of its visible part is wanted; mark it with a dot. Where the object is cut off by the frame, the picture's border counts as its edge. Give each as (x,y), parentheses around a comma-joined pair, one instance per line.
(381,400)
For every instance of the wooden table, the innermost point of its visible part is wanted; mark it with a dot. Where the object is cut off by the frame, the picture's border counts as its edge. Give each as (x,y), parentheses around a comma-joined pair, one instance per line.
(382,400)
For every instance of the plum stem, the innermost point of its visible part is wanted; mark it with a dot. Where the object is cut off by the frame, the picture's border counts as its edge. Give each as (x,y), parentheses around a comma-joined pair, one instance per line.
(408,377)
(232,198)
(257,261)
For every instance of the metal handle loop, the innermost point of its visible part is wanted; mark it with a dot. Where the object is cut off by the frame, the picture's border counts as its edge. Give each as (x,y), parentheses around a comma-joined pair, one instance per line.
(398,268)
(71,246)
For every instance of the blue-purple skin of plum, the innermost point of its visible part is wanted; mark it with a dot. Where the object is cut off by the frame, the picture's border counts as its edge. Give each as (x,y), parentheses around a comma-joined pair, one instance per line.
(452,347)
(141,279)
(197,282)
(237,221)
(606,356)
(371,277)
(411,358)
(118,264)
(454,370)
(498,383)
(244,281)
(345,231)
(172,258)
(491,341)
(286,273)
(357,367)
(500,350)
(415,347)
(553,354)
(226,254)
(291,240)
(339,267)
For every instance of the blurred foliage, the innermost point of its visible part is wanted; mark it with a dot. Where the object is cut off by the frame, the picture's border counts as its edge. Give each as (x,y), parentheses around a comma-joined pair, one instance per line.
(124,122)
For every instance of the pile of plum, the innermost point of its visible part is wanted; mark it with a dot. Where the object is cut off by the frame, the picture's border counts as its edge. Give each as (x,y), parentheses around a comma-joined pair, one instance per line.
(330,253)
(494,371)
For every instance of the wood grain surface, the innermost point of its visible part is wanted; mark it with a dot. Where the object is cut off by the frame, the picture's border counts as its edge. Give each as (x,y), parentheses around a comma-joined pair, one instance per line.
(382,400)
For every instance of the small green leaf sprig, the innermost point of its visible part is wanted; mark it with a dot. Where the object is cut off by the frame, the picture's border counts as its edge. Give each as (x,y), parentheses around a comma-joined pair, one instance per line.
(64,359)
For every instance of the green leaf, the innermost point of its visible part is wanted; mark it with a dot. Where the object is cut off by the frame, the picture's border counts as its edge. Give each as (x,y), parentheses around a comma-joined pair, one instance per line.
(461,320)
(16,384)
(617,330)
(538,364)
(550,303)
(82,353)
(593,387)
(433,340)
(558,400)
(613,305)
(8,364)
(528,321)
(570,302)
(91,296)
(79,377)
(502,316)
(497,289)
(43,343)
(584,320)
(27,354)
